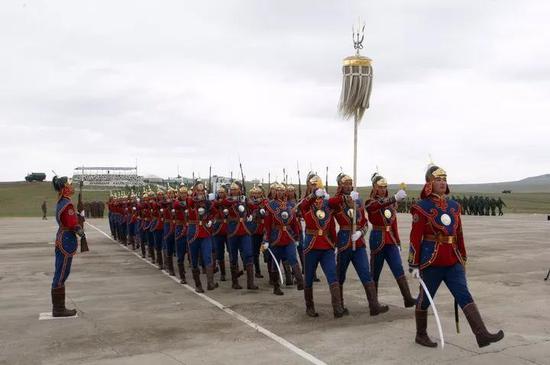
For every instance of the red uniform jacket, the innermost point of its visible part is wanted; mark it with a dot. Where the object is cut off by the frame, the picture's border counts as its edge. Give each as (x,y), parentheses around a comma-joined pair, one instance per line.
(319,221)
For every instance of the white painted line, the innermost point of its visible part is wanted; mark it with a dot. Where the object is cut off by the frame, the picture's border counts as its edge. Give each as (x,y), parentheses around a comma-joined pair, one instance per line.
(48,315)
(229,311)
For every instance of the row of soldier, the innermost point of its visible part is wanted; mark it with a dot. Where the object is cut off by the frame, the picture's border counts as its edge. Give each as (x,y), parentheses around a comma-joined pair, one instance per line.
(471,205)
(301,235)
(94,209)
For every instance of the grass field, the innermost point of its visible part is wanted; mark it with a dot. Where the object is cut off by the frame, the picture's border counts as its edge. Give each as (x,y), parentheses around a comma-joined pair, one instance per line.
(22,199)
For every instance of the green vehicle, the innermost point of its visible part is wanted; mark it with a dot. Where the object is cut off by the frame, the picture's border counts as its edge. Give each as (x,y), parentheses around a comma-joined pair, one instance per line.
(35,176)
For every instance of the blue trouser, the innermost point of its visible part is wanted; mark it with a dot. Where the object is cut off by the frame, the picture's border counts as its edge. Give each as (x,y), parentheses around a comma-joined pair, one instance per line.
(220,242)
(284,253)
(143,236)
(168,240)
(65,248)
(123,230)
(158,239)
(242,244)
(389,253)
(181,244)
(202,246)
(132,229)
(111,223)
(328,264)
(360,263)
(151,239)
(455,279)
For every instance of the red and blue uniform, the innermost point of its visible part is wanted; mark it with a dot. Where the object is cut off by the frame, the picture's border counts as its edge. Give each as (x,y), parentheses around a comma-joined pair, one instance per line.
(66,242)
(199,236)
(180,207)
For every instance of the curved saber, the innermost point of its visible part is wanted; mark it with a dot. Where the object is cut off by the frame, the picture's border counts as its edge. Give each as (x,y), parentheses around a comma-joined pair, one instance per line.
(435,312)
(276,264)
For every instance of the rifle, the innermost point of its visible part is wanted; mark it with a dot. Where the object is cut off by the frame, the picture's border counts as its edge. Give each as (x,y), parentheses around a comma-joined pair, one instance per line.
(326,179)
(242,176)
(80,208)
(299,182)
(210,179)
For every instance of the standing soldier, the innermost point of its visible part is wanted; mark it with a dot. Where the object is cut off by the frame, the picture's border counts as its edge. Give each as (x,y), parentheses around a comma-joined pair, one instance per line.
(132,220)
(201,211)
(348,206)
(437,254)
(145,219)
(65,244)
(168,238)
(319,243)
(152,224)
(500,204)
(282,232)
(157,227)
(44,210)
(384,241)
(180,208)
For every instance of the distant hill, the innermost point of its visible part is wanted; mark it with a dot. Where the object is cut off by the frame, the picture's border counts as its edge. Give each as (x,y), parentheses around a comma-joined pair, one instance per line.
(534,184)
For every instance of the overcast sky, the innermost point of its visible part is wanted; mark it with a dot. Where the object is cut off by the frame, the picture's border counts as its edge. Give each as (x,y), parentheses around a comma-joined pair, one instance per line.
(191,83)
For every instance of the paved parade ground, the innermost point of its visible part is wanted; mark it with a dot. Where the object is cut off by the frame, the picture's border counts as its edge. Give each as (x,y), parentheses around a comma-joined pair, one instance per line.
(132,313)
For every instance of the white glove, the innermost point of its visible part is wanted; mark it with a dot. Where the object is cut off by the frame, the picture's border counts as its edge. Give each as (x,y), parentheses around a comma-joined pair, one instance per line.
(161,210)
(319,193)
(211,196)
(249,218)
(400,195)
(209,224)
(241,208)
(83,213)
(297,243)
(264,247)
(356,236)
(173,211)
(262,212)
(415,273)
(134,208)
(138,200)
(354,195)
(327,195)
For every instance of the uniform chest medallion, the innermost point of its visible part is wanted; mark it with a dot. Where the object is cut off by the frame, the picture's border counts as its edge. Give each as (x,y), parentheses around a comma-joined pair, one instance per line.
(284,215)
(351,213)
(387,213)
(445,219)
(241,208)
(201,211)
(320,214)
(225,212)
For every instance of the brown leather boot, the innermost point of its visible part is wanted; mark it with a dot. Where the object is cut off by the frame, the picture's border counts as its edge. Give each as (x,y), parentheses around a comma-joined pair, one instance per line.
(58,304)
(160,261)
(221,263)
(234,278)
(298,276)
(181,270)
(288,274)
(142,246)
(344,309)
(372,297)
(336,300)
(152,253)
(250,277)
(132,242)
(197,278)
(422,337)
(310,306)
(483,336)
(274,277)
(408,300)
(210,284)
(170,262)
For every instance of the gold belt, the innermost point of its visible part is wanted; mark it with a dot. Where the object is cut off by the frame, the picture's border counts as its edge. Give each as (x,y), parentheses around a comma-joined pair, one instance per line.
(382,228)
(440,238)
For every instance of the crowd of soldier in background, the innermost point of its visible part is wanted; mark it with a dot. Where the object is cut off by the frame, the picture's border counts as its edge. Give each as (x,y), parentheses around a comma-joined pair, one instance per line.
(94,209)
(471,205)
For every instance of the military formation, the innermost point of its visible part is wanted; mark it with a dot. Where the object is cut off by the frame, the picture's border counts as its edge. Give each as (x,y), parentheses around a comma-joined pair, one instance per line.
(294,235)
(94,209)
(471,205)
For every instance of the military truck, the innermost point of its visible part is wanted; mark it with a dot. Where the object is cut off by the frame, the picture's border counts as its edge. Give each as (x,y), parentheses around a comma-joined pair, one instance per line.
(35,176)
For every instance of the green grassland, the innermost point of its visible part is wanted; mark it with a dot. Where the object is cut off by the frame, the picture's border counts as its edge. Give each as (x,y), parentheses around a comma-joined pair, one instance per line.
(22,199)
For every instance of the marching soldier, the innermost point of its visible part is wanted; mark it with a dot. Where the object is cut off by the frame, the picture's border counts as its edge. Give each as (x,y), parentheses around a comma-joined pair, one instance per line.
(219,232)
(157,227)
(168,237)
(180,208)
(282,232)
(239,234)
(348,207)
(385,245)
(257,226)
(145,219)
(437,254)
(65,244)
(201,211)
(319,243)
